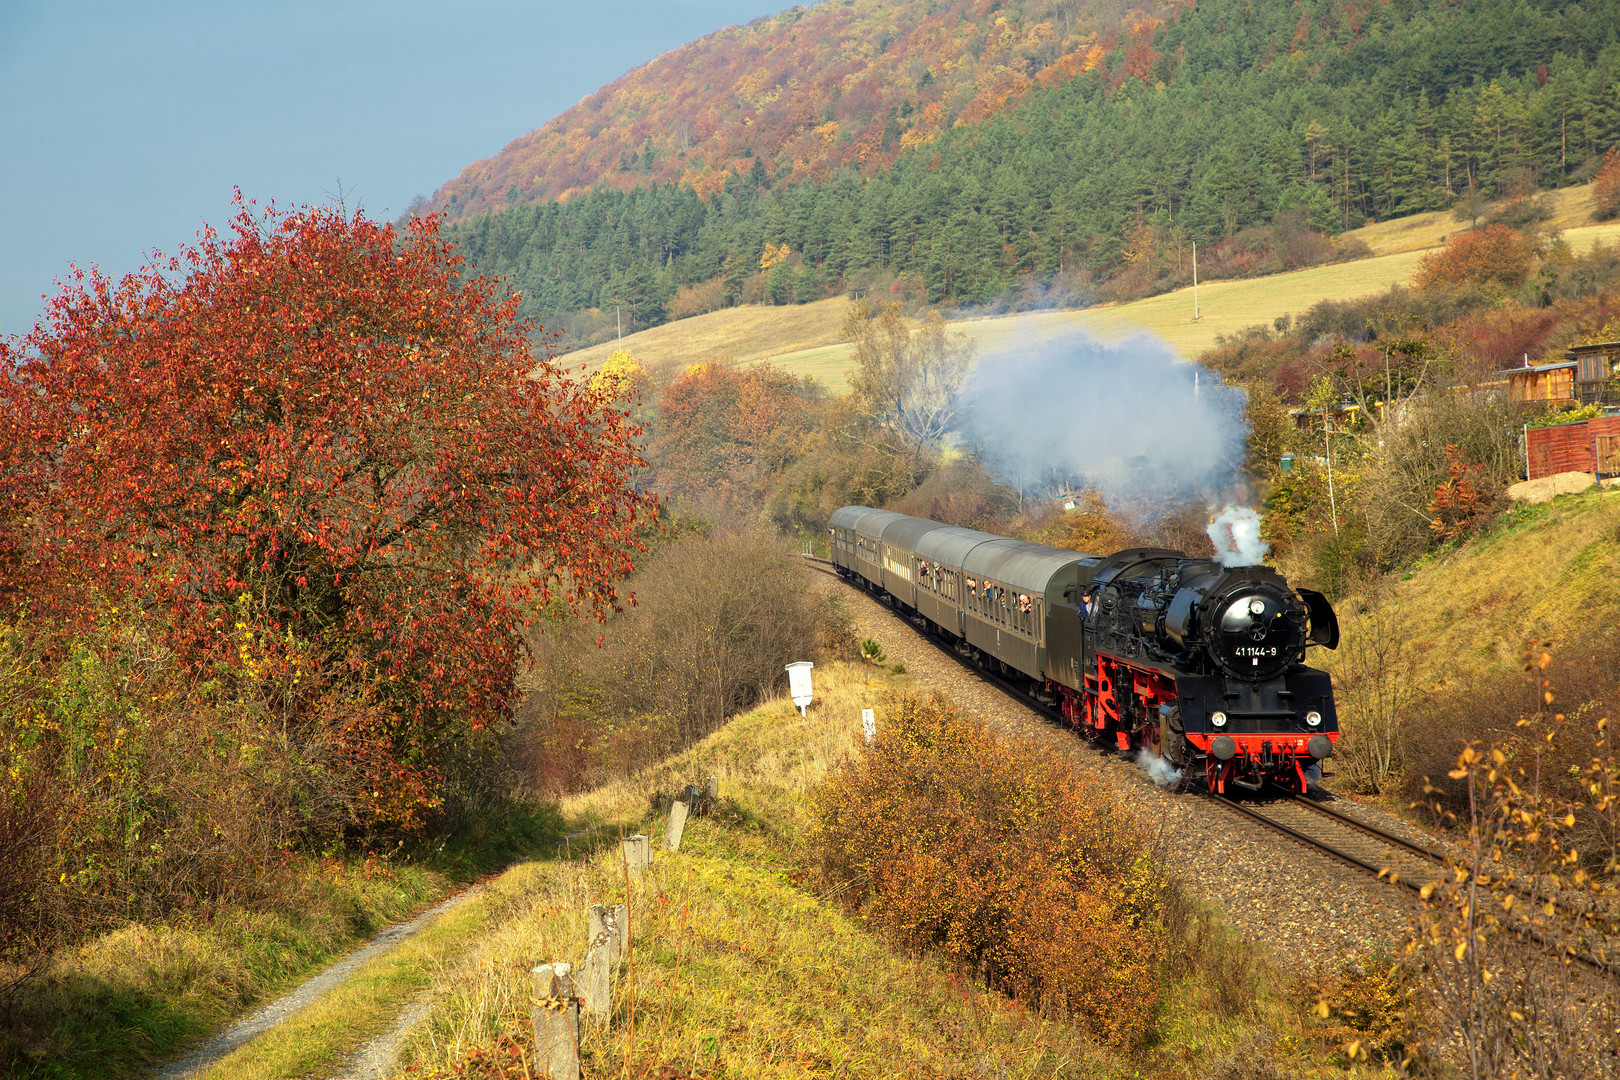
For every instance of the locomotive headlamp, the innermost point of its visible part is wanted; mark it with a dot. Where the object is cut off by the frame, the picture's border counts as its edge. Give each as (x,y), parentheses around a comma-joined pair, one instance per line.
(1257,606)
(1313,718)
(1218,719)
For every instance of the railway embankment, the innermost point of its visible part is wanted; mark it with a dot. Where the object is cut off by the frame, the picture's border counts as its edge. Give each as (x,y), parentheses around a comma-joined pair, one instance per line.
(1309,913)
(742,961)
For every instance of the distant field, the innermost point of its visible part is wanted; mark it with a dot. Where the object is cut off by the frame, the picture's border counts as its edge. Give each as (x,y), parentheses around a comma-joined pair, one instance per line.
(740,335)
(806,339)
(1572,212)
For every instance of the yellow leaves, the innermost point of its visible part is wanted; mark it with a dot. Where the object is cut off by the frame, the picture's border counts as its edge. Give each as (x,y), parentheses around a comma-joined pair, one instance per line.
(1427,891)
(1508,901)
(1461,950)
(1545,661)
(773,255)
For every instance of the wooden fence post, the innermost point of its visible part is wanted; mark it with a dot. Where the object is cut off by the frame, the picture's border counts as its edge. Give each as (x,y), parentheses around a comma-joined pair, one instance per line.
(637,854)
(555,1014)
(677,823)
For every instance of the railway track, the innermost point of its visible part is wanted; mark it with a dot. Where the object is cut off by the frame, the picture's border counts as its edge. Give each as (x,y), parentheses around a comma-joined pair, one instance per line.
(1327,832)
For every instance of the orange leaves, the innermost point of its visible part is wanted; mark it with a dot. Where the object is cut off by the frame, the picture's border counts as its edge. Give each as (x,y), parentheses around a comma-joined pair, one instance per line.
(1464,501)
(1492,254)
(998,855)
(322,412)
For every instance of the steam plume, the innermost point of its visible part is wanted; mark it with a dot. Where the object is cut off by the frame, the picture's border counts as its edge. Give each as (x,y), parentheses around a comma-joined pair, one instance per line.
(1129,417)
(1160,771)
(1235,532)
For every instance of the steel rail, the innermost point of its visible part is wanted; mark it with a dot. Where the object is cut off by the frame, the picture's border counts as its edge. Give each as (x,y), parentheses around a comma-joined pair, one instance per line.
(1312,842)
(1372,830)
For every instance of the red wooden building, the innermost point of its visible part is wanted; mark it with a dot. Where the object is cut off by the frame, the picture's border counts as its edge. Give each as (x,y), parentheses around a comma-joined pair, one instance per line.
(1590,446)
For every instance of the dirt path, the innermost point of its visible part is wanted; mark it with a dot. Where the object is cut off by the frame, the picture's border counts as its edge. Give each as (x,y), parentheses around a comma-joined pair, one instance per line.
(269,1016)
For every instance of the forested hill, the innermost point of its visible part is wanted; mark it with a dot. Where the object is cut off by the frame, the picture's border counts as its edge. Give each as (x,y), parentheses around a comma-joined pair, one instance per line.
(806,92)
(1266,122)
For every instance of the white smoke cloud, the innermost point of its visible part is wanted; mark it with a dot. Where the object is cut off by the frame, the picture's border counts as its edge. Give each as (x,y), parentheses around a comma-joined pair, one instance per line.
(1158,769)
(1235,532)
(1129,417)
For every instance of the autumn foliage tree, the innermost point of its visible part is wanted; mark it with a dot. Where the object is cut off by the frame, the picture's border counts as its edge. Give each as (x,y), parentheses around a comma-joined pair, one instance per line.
(329,473)
(1493,255)
(1606,186)
(1465,500)
(724,433)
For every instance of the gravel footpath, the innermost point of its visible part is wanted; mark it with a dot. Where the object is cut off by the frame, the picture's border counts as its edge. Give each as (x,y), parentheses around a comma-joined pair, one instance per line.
(1309,910)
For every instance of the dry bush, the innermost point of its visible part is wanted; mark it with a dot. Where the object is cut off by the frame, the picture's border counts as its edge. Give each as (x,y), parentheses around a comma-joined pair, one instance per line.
(1374,685)
(1400,480)
(1005,860)
(960,493)
(1538,812)
(1606,187)
(717,617)
(1510,711)
(154,795)
(1489,255)
(698,299)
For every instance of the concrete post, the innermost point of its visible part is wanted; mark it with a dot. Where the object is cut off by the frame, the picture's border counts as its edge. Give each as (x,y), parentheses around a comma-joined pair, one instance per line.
(711,788)
(637,854)
(555,1014)
(677,824)
(609,921)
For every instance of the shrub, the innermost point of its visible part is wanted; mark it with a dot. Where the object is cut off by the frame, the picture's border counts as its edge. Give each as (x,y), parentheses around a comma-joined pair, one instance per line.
(128,792)
(1001,857)
(1606,187)
(717,617)
(1495,254)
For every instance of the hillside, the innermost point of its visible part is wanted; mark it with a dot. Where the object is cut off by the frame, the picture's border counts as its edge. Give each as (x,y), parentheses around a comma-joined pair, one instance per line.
(1262,129)
(806,340)
(1545,571)
(844,83)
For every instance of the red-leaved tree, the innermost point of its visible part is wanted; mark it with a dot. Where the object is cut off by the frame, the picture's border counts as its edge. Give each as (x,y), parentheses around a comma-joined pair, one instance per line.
(328,471)
(1494,254)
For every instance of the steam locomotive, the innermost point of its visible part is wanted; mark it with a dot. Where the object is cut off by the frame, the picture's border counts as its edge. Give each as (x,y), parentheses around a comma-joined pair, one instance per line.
(1198,664)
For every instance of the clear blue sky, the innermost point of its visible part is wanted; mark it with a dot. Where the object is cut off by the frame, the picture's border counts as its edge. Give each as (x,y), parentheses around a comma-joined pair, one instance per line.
(125,123)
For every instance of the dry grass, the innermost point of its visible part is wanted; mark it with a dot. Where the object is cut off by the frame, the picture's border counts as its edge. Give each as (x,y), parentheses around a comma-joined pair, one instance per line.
(1551,570)
(741,969)
(113,1004)
(741,335)
(1572,212)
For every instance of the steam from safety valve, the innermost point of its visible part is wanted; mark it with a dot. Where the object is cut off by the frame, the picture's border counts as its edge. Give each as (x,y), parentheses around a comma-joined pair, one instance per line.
(1235,532)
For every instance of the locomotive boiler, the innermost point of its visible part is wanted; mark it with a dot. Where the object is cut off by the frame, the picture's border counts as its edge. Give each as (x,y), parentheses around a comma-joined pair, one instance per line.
(1147,649)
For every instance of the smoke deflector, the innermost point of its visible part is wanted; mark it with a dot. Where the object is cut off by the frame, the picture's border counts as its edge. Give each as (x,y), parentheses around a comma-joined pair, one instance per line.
(1324,623)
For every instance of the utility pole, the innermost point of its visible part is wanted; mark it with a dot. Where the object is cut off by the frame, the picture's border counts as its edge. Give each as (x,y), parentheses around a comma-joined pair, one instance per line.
(1195,237)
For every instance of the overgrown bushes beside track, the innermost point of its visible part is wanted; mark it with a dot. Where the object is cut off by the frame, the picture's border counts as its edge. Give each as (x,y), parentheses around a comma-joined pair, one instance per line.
(1002,857)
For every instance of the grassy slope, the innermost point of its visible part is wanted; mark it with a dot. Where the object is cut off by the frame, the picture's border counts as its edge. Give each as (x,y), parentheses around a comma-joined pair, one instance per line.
(115,1004)
(742,970)
(1551,570)
(807,341)
(739,335)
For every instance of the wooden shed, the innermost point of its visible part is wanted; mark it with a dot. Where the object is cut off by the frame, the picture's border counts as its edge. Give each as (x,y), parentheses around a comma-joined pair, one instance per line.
(1590,446)
(1594,367)
(1552,383)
